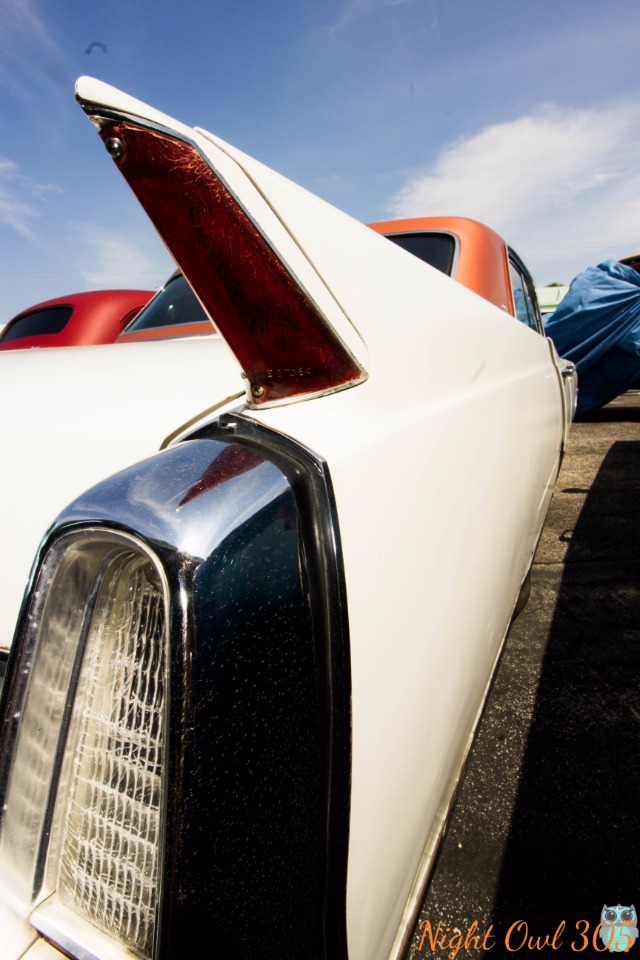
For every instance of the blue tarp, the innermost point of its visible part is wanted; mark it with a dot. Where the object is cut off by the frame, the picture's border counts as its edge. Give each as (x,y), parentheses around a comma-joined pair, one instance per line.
(597,326)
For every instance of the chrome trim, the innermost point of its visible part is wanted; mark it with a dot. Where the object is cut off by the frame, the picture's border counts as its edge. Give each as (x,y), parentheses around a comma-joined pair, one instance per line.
(166,510)
(77,938)
(168,440)
(4,657)
(310,481)
(514,261)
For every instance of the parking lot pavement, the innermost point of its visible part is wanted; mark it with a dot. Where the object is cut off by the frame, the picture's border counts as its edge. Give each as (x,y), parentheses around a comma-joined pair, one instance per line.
(547,824)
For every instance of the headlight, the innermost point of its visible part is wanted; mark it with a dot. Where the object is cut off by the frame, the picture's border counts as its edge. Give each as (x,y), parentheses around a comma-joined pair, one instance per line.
(176,732)
(97,625)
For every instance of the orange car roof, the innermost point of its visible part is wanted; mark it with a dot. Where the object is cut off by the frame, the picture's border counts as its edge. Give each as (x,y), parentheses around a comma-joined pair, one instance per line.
(482,257)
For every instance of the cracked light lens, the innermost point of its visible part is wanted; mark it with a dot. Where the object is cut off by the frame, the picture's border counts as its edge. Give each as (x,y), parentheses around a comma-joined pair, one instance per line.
(50,642)
(280,337)
(108,818)
(81,826)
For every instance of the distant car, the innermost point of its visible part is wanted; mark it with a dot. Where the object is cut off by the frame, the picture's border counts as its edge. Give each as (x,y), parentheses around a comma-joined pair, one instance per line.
(477,257)
(79,319)
(247,669)
(474,255)
(175,311)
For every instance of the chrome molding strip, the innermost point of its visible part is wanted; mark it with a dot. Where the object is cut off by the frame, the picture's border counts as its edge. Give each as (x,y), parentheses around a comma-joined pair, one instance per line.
(75,937)
(168,440)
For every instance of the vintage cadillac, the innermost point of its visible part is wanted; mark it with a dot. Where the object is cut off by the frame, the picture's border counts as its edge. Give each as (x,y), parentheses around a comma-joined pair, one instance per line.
(247,670)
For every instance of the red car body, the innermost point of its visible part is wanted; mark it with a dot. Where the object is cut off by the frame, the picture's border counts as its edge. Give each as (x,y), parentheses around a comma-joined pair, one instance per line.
(79,319)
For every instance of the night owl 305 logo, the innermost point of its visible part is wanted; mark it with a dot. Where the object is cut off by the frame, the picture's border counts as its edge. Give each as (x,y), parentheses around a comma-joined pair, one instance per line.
(619,928)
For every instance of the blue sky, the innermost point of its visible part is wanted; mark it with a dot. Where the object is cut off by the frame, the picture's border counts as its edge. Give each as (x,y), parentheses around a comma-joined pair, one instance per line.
(521,113)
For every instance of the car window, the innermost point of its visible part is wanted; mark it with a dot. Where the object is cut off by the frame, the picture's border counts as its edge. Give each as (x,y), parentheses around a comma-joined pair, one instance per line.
(436,249)
(49,320)
(523,297)
(175,304)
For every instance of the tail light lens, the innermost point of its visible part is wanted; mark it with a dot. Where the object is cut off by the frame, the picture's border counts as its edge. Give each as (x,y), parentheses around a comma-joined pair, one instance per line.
(109,818)
(92,799)
(285,346)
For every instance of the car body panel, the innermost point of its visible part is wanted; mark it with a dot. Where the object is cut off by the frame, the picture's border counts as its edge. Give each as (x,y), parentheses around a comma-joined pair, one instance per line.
(97,316)
(403,675)
(442,462)
(78,415)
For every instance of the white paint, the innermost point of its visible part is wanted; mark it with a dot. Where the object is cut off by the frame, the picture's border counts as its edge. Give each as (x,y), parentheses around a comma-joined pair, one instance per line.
(72,416)
(443,463)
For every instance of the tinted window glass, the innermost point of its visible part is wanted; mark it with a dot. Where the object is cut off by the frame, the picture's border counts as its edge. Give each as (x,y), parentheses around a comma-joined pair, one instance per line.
(436,249)
(525,311)
(50,320)
(175,304)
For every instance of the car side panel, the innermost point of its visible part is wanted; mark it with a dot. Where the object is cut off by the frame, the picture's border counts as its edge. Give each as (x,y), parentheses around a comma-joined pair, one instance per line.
(441,498)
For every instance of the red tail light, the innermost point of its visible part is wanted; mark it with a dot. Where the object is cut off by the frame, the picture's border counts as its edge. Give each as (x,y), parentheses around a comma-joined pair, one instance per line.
(283,343)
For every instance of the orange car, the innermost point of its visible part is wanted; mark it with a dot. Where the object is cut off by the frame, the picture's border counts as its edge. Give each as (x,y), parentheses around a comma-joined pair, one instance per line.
(472,254)
(466,250)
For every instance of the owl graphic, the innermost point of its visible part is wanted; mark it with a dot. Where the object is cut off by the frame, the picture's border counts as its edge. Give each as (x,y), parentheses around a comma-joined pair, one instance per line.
(618,927)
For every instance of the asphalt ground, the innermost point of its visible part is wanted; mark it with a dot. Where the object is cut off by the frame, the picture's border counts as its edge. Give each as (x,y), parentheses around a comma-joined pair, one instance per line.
(546,828)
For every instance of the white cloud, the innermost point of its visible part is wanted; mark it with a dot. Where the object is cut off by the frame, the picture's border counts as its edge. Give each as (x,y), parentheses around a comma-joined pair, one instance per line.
(112,261)
(16,215)
(559,184)
(14,212)
(17,195)
(30,56)
(354,10)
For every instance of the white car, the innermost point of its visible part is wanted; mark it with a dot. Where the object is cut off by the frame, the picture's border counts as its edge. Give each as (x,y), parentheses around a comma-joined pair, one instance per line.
(248,669)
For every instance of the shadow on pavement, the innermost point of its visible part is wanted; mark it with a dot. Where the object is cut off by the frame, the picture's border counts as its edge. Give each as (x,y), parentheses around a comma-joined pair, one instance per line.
(574,841)
(622,409)
(546,826)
